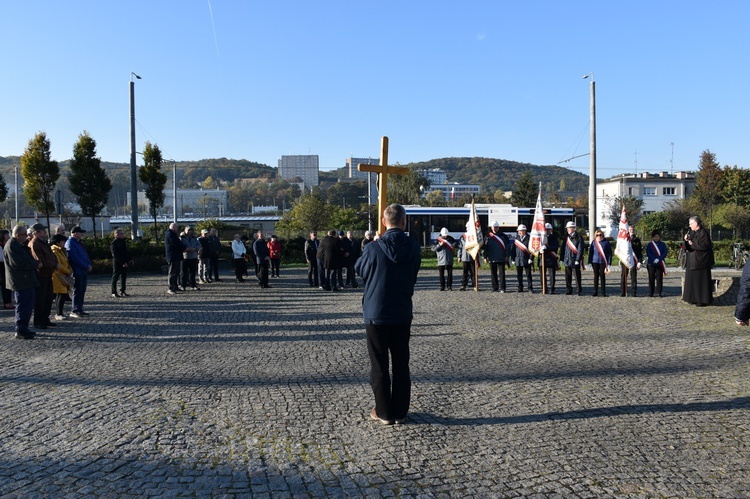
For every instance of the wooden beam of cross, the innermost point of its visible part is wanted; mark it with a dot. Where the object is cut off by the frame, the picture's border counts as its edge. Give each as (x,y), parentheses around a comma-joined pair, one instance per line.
(383,170)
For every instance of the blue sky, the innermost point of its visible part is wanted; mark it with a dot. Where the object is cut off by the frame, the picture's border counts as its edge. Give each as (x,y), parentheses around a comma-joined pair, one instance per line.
(500,79)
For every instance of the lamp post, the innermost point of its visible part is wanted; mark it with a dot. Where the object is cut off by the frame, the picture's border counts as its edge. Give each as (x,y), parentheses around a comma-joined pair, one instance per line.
(133,173)
(592,158)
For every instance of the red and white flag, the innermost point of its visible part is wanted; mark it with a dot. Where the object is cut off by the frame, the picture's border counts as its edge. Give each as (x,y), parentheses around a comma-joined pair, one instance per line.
(538,234)
(624,248)
(474,237)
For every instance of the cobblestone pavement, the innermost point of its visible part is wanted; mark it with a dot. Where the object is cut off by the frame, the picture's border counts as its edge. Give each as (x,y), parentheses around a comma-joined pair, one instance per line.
(238,391)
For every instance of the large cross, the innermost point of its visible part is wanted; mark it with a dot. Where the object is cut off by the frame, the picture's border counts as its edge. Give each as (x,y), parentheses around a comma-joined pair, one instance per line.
(382,170)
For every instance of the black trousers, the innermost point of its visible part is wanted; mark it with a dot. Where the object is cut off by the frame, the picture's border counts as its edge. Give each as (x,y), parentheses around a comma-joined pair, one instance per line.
(498,269)
(215,266)
(443,283)
(569,271)
(174,274)
(312,273)
(519,274)
(189,272)
(275,266)
(655,279)
(240,268)
(351,277)
(263,274)
(599,269)
(468,272)
(392,393)
(43,301)
(119,273)
(550,283)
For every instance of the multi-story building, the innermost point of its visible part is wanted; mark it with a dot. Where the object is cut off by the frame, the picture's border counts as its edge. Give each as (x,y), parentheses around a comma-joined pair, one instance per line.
(211,202)
(654,189)
(305,167)
(434,175)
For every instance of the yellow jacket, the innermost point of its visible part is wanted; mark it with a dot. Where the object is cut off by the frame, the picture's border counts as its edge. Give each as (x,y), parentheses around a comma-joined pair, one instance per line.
(63,273)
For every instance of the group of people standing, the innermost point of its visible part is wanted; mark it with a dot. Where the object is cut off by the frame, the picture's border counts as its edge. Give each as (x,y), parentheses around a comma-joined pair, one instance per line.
(265,254)
(38,271)
(502,253)
(327,258)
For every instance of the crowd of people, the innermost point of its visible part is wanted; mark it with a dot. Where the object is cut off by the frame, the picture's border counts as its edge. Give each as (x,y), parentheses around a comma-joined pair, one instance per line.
(502,253)
(38,271)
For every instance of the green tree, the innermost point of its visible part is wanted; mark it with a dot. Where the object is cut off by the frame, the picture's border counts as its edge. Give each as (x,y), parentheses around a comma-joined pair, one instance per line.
(209,183)
(435,198)
(525,192)
(153,180)
(633,209)
(656,221)
(708,185)
(239,198)
(40,174)
(735,217)
(88,180)
(735,185)
(405,189)
(309,213)
(346,219)
(678,212)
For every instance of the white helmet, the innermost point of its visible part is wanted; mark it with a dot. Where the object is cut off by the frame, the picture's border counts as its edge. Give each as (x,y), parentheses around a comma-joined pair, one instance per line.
(548,226)
(521,227)
(495,223)
(570,224)
(444,231)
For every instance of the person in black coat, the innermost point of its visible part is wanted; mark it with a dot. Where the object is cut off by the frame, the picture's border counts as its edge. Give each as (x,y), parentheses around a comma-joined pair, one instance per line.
(571,254)
(174,250)
(354,252)
(698,289)
(262,259)
(551,260)
(121,261)
(311,257)
(742,310)
(328,256)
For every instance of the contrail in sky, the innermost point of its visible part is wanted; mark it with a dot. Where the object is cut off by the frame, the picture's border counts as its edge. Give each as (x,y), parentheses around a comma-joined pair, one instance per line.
(213,27)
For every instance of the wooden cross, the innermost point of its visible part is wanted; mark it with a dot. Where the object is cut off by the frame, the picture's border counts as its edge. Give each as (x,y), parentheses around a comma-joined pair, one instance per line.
(383,170)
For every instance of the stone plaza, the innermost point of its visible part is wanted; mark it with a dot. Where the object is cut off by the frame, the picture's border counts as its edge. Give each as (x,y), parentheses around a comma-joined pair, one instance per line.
(236,391)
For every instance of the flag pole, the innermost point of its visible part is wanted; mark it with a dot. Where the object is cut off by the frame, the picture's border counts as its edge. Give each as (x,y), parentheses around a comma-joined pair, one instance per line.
(544,274)
(476,274)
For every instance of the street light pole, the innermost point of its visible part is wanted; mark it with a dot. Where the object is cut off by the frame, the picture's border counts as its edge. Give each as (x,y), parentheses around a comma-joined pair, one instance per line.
(133,173)
(592,158)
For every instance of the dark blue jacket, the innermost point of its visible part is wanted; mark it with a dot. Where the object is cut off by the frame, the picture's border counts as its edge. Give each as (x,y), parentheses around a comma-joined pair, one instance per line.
(742,309)
(389,267)
(77,256)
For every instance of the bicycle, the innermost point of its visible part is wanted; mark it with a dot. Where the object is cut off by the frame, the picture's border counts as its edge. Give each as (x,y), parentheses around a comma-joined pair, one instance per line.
(739,256)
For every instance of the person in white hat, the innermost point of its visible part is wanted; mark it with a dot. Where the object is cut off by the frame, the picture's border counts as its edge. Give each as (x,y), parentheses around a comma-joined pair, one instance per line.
(571,254)
(496,251)
(468,263)
(522,258)
(551,260)
(444,249)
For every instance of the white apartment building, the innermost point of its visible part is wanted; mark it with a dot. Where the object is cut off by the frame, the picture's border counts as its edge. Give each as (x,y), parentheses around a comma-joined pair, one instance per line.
(305,167)
(453,191)
(655,189)
(434,175)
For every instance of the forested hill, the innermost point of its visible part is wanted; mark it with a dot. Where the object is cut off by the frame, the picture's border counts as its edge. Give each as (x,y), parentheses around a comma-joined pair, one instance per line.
(493,174)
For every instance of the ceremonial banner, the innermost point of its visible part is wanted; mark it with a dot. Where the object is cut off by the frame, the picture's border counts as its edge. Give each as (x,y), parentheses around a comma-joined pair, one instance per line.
(624,250)
(474,237)
(538,234)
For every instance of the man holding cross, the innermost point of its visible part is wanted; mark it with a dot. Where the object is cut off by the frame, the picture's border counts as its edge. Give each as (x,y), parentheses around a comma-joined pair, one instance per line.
(389,267)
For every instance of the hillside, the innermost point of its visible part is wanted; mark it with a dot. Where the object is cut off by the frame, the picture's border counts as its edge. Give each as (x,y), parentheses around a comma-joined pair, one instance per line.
(493,174)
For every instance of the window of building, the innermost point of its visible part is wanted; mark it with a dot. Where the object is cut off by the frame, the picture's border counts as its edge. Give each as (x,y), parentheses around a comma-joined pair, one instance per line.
(668,191)
(649,191)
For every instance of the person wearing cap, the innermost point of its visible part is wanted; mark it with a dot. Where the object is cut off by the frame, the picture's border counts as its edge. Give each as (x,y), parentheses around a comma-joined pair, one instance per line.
(467,261)
(190,259)
(637,246)
(81,264)
(262,259)
(44,294)
(311,257)
(656,252)
(443,247)
(551,260)
(600,258)
(121,261)
(496,251)
(21,277)
(571,253)
(522,258)
(204,257)
(174,249)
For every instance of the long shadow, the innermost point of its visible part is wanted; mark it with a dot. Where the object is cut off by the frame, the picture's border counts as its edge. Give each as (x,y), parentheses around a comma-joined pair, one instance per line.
(740,403)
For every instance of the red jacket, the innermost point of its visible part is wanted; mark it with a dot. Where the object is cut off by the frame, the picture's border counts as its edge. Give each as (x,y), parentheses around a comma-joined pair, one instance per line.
(274,248)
